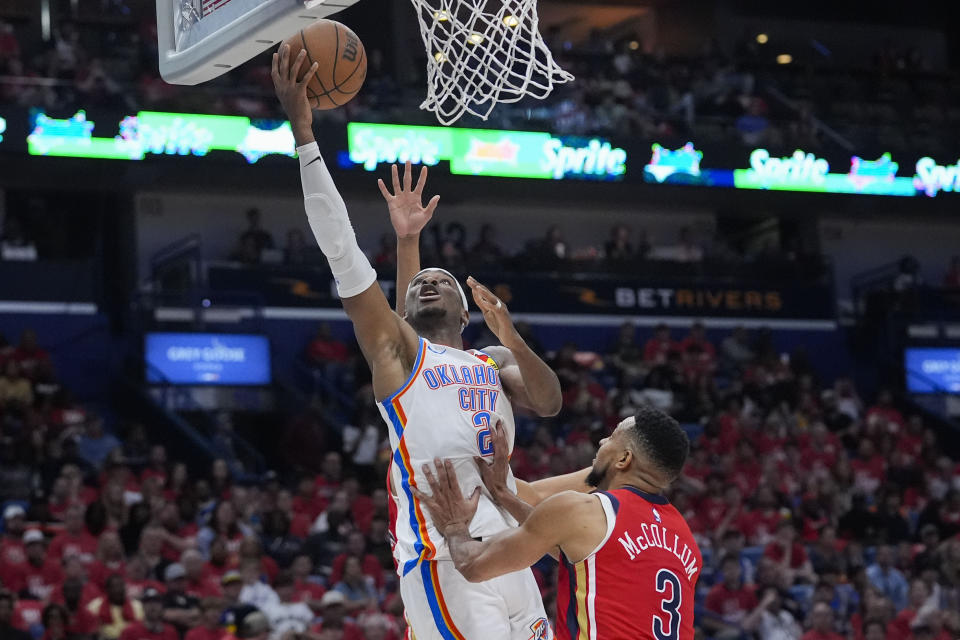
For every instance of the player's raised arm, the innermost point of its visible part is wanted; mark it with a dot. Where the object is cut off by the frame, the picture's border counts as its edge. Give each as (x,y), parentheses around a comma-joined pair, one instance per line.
(408,217)
(528,379)
(575,522)
(386,341)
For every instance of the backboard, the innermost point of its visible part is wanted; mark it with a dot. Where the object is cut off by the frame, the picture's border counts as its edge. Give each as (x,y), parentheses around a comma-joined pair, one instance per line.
(202,39)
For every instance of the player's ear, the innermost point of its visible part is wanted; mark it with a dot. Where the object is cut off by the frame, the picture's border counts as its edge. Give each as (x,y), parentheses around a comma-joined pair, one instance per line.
(625,459)
(464,320)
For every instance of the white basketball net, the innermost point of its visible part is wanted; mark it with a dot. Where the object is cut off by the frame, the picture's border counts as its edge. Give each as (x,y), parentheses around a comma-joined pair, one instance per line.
(481,53)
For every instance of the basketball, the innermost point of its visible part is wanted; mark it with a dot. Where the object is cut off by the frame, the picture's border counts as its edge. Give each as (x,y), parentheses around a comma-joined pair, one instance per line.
(341,58)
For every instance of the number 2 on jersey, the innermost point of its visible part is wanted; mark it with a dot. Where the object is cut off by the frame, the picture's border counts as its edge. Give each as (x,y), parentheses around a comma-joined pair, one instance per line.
(669,628)
(481,420)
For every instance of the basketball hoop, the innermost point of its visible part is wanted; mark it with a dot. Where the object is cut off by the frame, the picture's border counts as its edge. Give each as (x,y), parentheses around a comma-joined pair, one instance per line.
(481,53)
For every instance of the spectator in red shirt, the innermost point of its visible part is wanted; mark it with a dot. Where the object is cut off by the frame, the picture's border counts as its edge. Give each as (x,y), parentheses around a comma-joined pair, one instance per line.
(81,621)
(56,624)
(38,576)
(731,600)
(76,572)
(331,475)
(869,468)
(918,611)
(307,503)
(210,611)
(789,554)
(357,547)
(655,350)
(152,627)
(305,590)
(109,559)
(885,414)
(760,522)
(200,582)
(28,354)
(75,540)
(7,630)
(821,622)
(11,548)
(324,348)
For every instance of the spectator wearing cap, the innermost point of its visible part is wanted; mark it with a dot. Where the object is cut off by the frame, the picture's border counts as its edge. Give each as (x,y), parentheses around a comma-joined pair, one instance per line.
(12,552)
(74,540)
(333,617)
(251,624)
(286,614)
(887,579)
(38,576)
(231,584)
(152,627)
(115,611)
(7,630)
(180,609)
(211,609)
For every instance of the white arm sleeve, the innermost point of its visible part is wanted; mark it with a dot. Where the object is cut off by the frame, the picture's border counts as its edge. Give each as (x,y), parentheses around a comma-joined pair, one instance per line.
(327,215)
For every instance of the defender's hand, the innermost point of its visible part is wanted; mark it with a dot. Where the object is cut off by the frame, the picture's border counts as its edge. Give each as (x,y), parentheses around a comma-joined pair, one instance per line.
(494,475)
(293,94)
(448,508)
(407,213)
(495,314)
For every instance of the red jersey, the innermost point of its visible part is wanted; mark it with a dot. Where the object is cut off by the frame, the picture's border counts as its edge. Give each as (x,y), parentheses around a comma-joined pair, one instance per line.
(649,551)
(205,633)
(65,545)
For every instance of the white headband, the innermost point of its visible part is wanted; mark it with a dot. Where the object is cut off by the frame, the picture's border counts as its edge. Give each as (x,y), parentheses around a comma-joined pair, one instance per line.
(463,296)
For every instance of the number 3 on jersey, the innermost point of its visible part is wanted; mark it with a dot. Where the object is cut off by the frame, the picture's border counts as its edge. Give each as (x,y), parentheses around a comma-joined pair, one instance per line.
(481,420)
(668,627)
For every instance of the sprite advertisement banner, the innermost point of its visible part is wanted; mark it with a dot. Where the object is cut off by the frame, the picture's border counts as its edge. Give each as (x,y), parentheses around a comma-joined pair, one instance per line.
(151,132)
(485,152)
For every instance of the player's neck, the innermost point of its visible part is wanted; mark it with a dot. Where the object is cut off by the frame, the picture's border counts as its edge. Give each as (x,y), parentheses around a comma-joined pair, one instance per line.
(444,337)
(633,482)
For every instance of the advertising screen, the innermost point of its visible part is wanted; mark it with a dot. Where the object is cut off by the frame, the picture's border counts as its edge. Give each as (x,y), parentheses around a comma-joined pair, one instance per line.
(207,359)
(931,370)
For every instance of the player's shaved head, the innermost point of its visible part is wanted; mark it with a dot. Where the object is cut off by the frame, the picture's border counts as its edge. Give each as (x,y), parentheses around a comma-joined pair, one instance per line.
(649,446)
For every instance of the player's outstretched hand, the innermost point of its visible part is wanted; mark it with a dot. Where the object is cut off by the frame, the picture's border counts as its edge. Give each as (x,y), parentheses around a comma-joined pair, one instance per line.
(494,474)
(495,314)
(407,213)
(293,94)
(448,508)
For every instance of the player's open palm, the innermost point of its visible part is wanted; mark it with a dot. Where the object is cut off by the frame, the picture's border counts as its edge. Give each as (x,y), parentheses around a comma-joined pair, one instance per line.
(407,213)
(495,313)
(291,93)
(494,474)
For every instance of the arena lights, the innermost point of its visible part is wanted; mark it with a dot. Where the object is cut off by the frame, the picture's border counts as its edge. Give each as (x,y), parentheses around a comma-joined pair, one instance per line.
(485,152)
(3,127)
(762,38)
(159,133)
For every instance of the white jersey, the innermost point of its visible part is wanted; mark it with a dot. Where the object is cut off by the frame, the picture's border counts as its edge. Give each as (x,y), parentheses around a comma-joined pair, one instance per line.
(446,409)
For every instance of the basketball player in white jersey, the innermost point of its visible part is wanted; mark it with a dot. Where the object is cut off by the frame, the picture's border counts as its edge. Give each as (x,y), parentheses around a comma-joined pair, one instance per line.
(437,399)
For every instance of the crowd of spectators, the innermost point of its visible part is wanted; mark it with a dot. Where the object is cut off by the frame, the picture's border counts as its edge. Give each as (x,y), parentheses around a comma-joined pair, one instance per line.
(819,515)
(622,87)
(452,247)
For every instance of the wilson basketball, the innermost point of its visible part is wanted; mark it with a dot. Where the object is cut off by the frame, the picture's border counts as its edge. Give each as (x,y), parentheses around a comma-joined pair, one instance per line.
(341,58)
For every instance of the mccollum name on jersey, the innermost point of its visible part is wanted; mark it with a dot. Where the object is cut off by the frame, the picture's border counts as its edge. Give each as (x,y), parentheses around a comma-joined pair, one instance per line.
(659,537)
